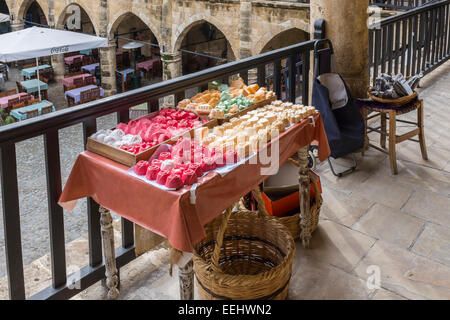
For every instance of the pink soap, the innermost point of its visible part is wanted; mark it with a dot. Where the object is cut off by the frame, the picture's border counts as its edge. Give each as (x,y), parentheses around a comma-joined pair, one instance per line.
(152,173)
(141,168)
(197,169)
(174,182)
(231,157)
(162,176)
(189,177)
(165,156)
(157,163)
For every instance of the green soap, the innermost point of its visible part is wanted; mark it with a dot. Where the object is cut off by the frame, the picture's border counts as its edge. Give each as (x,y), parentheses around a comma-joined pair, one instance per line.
(9,120)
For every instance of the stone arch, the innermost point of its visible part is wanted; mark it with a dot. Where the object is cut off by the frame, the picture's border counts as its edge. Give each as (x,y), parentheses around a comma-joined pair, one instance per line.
(277,31)
(25,5)
(61,15)
(120,17)
(4,7)
(195,20)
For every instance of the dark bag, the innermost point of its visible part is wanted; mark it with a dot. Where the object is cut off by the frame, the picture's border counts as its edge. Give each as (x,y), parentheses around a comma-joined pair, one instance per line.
(344,126)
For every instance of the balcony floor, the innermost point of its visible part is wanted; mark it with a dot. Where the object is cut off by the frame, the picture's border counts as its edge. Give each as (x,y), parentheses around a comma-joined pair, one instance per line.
(400,224)
(370,218)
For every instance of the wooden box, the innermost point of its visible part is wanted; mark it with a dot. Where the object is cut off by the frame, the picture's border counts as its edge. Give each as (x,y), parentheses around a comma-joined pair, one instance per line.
(129,159)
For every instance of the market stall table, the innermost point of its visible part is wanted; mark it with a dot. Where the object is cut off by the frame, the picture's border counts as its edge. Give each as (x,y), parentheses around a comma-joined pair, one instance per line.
(75,93)
(20,113)
(69,60)
(4,100)
(175,214)
(31,86)
(31,72)
(90,68)
(67,82)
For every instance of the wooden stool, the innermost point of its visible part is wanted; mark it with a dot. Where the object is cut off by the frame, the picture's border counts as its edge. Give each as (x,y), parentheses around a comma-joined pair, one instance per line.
(390,112)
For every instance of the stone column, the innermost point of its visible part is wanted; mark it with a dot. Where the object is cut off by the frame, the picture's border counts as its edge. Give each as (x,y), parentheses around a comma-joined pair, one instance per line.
(171,65)
(346,27)
(59,66)
(108,68)
(245,29)
(171,68)
(17,25)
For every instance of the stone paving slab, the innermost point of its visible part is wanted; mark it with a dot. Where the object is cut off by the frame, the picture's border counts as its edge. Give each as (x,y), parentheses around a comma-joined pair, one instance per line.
(429,206)
(390,225)
(316,280)
(406,273)
(338,245)
(434,243)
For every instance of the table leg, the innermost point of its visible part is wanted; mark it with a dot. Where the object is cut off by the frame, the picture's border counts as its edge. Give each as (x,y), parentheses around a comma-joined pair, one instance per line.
(186,278)
(112,278)
(304,182)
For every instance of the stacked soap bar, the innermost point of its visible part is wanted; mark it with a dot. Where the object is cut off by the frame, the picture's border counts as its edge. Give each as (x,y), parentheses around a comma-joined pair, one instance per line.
(187,161)
(140,135)
(248,133)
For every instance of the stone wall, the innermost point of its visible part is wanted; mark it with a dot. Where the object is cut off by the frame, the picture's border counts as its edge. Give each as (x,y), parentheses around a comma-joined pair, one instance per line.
(248,25)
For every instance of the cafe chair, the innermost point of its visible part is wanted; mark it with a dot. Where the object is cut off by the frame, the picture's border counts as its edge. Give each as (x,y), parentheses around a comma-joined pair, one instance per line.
(18,105)
(46,110)
(32,113)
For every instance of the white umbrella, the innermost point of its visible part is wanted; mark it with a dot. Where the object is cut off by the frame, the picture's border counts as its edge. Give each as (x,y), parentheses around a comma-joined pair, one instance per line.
(4,18)
(38,42)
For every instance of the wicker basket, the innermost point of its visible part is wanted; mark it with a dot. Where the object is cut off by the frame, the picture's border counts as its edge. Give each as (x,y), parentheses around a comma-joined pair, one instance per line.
(293,222)
(252,258)
(393,102)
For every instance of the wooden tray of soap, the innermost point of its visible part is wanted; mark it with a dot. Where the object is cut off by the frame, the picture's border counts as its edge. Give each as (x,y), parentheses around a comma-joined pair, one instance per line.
(130,159)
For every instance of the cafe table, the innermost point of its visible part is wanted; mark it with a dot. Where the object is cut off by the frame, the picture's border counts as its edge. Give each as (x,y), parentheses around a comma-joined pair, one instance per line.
(4,100)
(31,72)
(90,68)
(180,216)
(69,81)
(75,93)
(69,60)
(146,65)
(31,86)
(87,52)
(126,72)
(21,113)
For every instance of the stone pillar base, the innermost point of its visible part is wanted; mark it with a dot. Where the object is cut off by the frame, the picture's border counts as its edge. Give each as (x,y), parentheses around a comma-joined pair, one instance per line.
(59,66)
(108,69)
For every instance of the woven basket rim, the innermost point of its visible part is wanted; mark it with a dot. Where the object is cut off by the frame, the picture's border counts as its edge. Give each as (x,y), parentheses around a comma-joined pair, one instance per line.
(290,246)
(401,100)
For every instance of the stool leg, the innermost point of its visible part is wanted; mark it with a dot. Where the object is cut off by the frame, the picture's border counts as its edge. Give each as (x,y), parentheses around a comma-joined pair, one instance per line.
(423,147)
(366,138)
(392,142)
(383,128)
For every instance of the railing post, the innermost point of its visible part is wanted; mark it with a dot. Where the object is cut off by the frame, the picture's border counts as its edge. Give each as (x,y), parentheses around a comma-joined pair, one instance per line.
(11,222)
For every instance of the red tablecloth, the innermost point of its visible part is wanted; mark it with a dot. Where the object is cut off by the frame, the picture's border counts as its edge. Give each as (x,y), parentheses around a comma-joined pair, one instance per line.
(146,65)
(170,213)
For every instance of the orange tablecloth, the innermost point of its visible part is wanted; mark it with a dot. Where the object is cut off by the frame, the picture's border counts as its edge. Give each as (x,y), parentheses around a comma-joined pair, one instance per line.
(170,213)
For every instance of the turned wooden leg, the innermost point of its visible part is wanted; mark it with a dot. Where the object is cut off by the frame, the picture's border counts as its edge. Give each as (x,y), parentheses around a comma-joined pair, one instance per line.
(392,142)
(366,138)
(423,146)
(186,278)
(304,182)
(383,129)
(112,278)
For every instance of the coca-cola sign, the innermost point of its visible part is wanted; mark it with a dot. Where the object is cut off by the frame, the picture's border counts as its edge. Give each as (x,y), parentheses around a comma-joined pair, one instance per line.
(58,50)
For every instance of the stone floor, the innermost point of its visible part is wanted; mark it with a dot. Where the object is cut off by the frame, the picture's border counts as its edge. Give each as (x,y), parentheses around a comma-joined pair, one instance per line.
(370,220)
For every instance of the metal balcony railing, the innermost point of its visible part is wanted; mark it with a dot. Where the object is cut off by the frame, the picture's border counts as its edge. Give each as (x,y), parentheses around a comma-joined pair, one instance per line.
(49,126)
(400,4)
(412,42)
